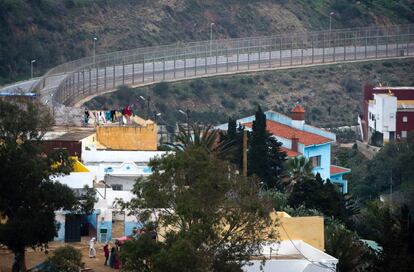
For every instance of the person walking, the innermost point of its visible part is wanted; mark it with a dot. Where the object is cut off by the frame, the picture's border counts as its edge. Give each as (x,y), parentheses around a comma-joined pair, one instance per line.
(106,253)
(112,258)
(92,250)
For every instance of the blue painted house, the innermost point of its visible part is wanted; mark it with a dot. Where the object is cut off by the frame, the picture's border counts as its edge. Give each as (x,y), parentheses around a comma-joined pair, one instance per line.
(300,139)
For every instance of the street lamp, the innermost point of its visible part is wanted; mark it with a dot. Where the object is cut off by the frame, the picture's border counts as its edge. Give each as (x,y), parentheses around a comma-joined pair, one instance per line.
(211,36)
(94,49)
(187,117)
(330,20)
(31,68)
(148,105)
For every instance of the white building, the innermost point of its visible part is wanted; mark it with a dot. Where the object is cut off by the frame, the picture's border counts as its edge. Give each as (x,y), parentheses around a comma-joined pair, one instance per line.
(291,256)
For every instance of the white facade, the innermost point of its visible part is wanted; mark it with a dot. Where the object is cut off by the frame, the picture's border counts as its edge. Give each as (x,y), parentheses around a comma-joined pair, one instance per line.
(292,256)
(382,114)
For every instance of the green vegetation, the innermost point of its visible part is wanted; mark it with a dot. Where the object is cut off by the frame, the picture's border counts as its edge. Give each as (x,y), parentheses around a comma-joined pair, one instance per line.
(391,169)
(331,95)
(219,219)
(66,258)
(56,31)
(28,195)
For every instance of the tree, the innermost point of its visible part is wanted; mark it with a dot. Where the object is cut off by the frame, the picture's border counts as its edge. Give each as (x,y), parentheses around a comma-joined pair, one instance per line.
(392,228)
(233,140)
(314,193)
(28,198)
(210,217)
(265,158)
(66,258)
(352,253)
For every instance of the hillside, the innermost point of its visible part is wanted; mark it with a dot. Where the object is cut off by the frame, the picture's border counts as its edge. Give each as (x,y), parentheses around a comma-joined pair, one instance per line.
(335,88)
(56,31)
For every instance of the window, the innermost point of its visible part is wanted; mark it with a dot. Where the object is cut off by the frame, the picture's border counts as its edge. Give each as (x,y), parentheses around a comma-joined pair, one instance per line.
(403,134)
(117,187)
(405,119)
(316,161)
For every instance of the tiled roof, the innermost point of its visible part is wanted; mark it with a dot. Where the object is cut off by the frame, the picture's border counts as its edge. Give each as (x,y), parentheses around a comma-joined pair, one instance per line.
(339,170)
(288,132)
(289,152)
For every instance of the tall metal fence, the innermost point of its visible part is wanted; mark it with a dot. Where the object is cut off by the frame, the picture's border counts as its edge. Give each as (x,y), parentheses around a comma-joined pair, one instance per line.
(90,76)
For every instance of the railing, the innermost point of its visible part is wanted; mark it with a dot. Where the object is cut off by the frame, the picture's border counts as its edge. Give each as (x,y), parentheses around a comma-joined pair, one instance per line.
(87,77)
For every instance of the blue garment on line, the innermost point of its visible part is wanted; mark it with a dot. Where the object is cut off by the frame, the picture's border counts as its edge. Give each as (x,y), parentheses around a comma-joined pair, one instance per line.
(108,116)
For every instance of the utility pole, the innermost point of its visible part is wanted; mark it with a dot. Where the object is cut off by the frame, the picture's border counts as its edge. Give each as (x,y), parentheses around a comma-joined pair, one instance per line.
(245,153)
(31,68)
(211,37)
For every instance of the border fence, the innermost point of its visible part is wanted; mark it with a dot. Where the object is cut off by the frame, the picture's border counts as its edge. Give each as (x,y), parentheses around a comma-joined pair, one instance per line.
(76,80)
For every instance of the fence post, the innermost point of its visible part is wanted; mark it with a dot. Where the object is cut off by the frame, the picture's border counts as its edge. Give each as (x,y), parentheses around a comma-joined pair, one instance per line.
(386,44)
(123,72)
(366,43)
(227,59)
(313,51)
(105,78)
(73,84)
(248,55)
(97,79)
(175,57)
(397,37)
(345,40)
(90,80)
(301,52)
(270,54)
(153,66)
(408,39)
(216,58)
(260,51)
(291,52)
(323,47)
(355,53)
(195,61)
(78,83)
(376,44)
(143,68)
(238,49)
(113,77)
(205,62)
(185,65)
(334,47)
(133,72)
(163,68)
(280,52)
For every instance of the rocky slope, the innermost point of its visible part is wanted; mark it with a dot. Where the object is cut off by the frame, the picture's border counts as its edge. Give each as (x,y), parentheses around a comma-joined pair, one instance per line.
(55,31)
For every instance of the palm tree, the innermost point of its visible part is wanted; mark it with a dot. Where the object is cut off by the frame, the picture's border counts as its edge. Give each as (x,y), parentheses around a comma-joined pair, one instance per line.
(297,168)
(196,135)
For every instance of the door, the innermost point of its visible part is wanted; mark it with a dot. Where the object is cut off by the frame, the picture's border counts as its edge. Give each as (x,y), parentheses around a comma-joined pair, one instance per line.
(72,228)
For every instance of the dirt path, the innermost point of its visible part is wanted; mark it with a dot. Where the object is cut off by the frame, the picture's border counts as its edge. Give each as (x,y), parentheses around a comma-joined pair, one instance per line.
(35,257)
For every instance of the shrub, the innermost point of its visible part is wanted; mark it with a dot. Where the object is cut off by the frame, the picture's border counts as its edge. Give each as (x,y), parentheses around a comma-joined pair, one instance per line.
(228,104)
(161,88)
(67,258)
(351,85)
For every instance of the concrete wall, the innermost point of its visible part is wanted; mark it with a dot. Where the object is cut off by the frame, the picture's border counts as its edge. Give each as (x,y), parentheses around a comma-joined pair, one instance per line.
(128,138)
(324,151)
(131,223)
(309,229)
